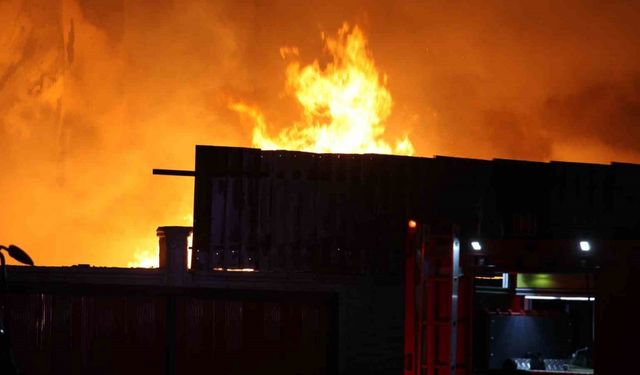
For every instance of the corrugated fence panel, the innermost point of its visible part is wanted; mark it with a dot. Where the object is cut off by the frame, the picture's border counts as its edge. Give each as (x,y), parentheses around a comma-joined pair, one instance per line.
(252,336)
(111,334)
(63,334)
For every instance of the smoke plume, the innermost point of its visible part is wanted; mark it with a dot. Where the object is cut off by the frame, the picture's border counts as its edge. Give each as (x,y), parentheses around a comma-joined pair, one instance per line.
(94,94)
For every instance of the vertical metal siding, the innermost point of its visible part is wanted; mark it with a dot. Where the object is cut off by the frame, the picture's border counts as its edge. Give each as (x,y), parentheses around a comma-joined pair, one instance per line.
(89,334)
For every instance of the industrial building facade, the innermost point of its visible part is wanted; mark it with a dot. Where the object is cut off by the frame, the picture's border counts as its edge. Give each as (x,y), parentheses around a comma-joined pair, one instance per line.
(327,263)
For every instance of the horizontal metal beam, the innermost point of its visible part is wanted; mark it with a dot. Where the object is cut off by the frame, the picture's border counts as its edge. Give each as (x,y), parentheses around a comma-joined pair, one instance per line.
(174,172)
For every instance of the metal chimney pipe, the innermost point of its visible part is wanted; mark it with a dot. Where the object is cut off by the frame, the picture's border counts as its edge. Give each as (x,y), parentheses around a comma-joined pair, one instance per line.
(173,253)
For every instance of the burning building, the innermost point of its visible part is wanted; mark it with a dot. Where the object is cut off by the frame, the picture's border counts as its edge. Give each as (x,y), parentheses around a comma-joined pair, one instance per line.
(356,263)
(94,94)
(337,259)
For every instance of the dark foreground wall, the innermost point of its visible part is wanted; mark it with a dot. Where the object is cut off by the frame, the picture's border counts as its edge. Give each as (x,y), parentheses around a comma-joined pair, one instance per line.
(76,334)
(100,330)
(79,320)
(617,306)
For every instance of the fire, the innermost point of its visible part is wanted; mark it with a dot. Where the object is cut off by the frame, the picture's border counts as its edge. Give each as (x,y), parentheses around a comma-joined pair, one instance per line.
(345,105)
(145,259)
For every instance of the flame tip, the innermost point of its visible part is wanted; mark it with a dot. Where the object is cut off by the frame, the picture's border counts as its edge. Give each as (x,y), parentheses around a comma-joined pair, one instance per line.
(344,104)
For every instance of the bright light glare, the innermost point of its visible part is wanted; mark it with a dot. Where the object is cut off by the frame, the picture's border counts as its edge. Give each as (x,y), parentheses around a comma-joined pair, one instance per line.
(561,298)
(240,269)
(234,269)
(189,249)
(488,277)
(585,246)
(574,298)
(476,245)
(541,297)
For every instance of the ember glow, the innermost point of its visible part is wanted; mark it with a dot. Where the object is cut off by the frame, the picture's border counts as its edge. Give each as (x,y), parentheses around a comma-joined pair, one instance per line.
(145,259)
(344,104)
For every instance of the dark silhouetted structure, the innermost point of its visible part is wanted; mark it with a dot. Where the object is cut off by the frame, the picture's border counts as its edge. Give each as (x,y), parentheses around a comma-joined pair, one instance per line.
(333,274)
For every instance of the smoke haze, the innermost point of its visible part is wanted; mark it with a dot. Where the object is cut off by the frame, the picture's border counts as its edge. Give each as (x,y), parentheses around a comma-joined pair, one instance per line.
(94,94)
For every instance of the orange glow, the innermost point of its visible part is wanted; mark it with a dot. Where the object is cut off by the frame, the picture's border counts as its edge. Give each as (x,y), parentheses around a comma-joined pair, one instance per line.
(145,259)
(344,105)
(91,100)
(489,277)
(412,224)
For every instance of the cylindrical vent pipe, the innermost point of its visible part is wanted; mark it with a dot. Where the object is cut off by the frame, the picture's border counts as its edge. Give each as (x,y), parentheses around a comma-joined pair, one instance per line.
(173,252)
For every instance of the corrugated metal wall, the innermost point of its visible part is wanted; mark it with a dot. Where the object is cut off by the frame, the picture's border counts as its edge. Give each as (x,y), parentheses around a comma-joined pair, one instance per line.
(85,334)
(332,213)
(299,212)
(59,333)
(252,337)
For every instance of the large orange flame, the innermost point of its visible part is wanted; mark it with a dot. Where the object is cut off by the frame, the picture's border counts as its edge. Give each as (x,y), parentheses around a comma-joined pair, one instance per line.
(344,105)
